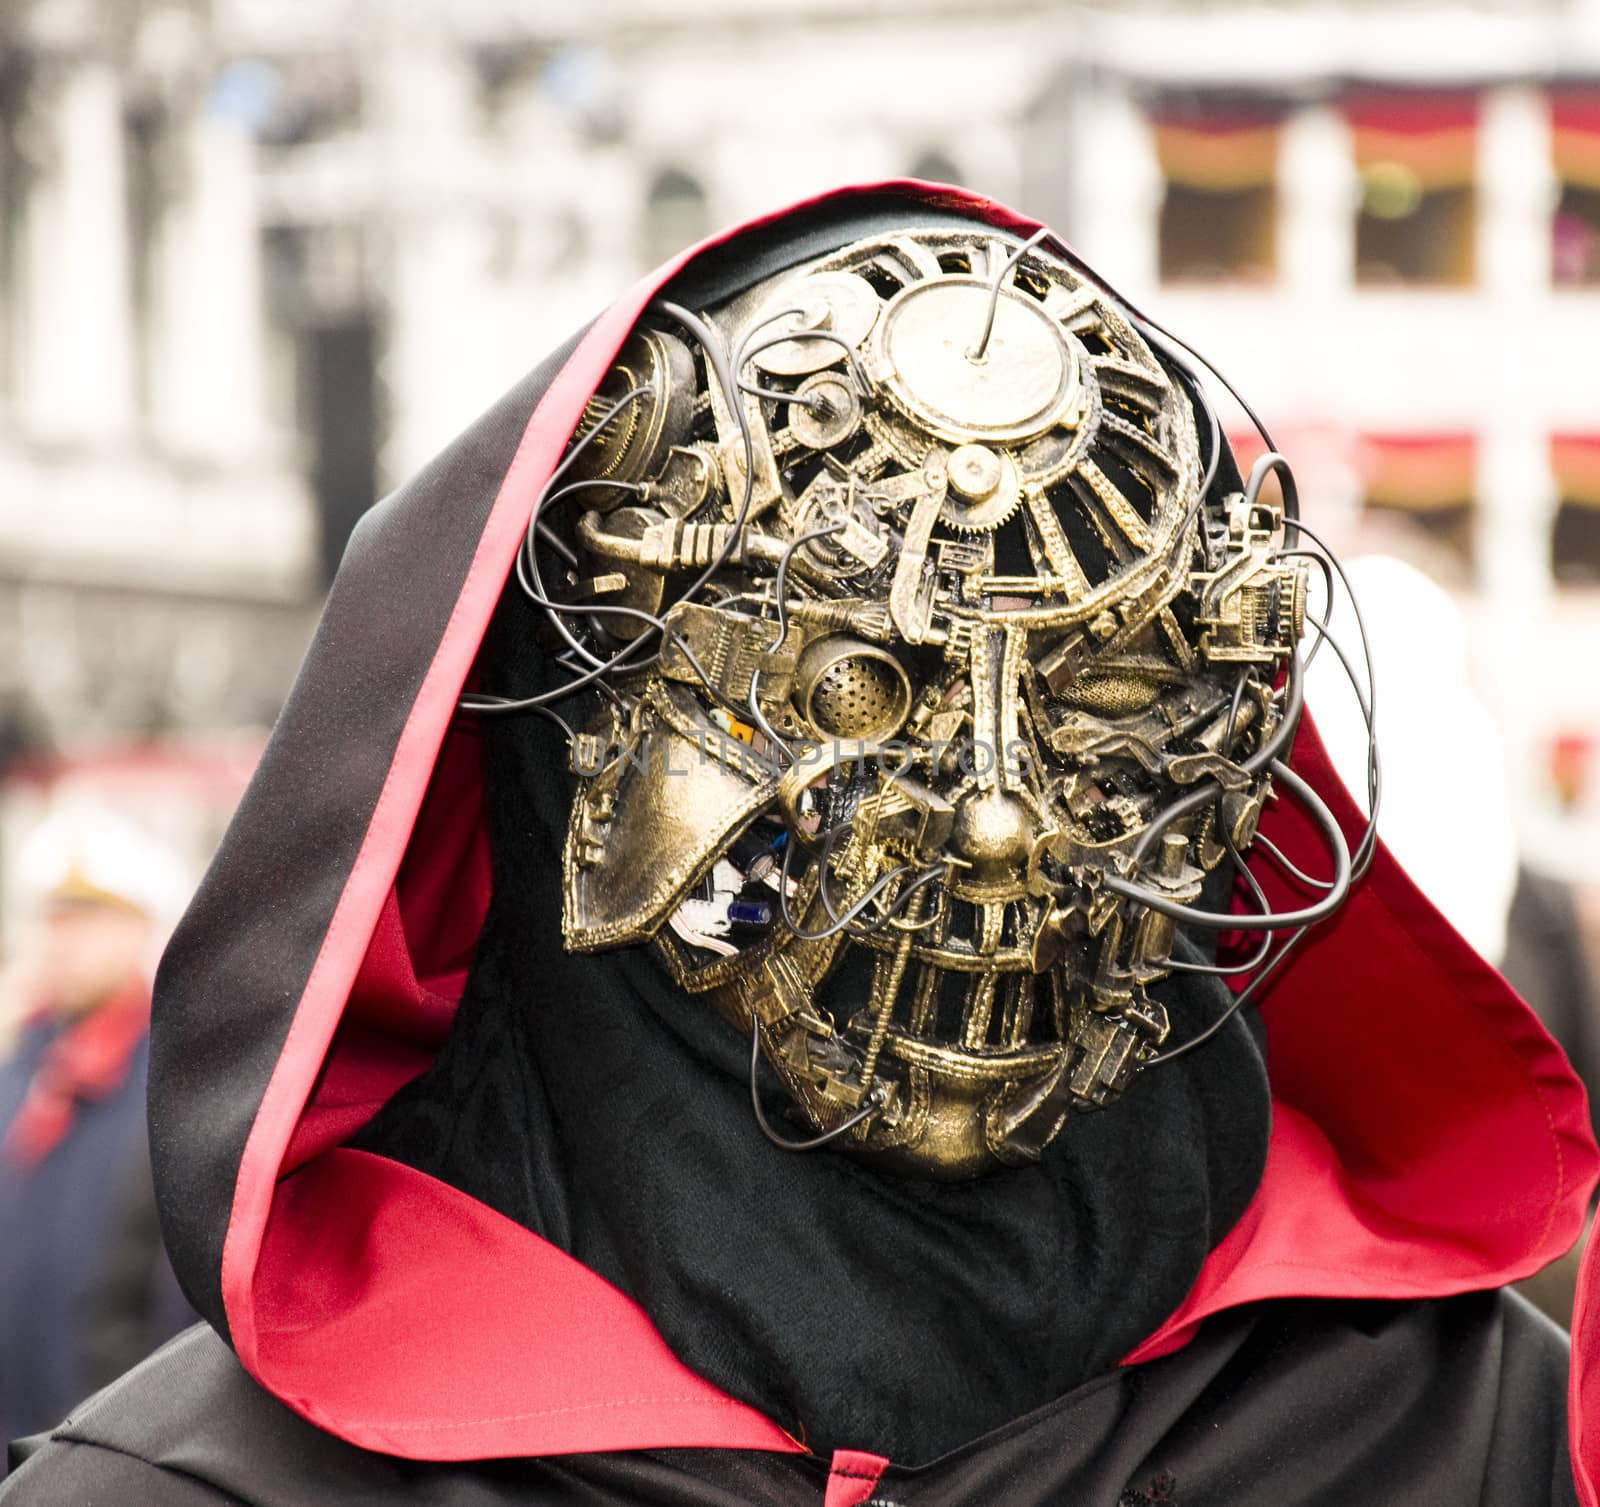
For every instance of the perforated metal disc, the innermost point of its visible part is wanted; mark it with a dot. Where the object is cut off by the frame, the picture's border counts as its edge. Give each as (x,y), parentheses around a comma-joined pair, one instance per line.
(859,697)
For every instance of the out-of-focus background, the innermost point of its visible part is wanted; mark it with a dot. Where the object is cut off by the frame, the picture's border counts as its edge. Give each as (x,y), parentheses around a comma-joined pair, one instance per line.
(260,258)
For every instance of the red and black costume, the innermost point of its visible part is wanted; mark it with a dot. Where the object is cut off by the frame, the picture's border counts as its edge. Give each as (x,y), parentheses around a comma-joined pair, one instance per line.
(415,1247)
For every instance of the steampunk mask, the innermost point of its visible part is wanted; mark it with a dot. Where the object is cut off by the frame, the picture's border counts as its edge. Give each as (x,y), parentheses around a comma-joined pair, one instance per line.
(930,677)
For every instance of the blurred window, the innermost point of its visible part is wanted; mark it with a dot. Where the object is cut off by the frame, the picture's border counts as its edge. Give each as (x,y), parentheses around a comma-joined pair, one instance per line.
(315,98)
(1416,155)
(147,147)
(1575,531)
(675,215)
(933,166)
(1219,215)
(339,366)
(1575,226)
(325,345)
(16,184)
(1046,185)
(1429,479)
(506,69)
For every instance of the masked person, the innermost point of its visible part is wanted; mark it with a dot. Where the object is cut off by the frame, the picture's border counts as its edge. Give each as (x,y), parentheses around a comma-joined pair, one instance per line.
(714,997)
(85,1289)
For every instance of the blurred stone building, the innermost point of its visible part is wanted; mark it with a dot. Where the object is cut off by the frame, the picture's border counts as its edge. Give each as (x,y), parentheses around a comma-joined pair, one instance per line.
(260,258)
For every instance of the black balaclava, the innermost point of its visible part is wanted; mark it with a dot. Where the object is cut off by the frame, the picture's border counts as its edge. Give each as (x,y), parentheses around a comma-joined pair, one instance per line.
(590,1100)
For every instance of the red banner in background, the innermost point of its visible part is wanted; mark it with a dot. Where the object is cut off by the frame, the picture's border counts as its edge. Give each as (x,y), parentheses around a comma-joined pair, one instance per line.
(1433,134)
(1575,135)
(1419,471)
(1248,446)
(1575,462)
(1221,148)
(1571,766)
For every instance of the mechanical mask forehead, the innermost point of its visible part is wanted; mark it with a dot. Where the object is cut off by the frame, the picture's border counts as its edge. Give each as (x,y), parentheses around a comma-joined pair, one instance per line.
(927,677)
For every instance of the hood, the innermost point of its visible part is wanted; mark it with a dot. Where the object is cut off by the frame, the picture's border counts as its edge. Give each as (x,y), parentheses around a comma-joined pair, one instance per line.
(1429,1137)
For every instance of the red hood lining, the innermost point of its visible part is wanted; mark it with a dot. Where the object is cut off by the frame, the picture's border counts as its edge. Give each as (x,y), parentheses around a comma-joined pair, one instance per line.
(347,1251)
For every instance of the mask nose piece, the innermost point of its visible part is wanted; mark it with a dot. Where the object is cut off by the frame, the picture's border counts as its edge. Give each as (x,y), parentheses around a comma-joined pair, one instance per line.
(993,832)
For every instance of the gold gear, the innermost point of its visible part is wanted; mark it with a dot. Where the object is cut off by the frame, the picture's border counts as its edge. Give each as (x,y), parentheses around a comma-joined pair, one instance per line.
(985,489)
(979,517)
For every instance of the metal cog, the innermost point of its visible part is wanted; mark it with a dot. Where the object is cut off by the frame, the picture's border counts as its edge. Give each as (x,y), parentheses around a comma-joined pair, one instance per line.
(985,489)
(979,517)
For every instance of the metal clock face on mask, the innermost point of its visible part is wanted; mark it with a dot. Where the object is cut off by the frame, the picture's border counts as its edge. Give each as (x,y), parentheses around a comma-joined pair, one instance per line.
(929,680)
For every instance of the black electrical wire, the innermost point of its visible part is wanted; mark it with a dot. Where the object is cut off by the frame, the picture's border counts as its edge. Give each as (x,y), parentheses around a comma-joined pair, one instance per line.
(1288,865)
(1365,849)
(482,703)
(527,558)
(486,705)
(896,906)
(1146,325)
(1225,970)
(748,353)
(550,536)
(718,360)
(535,594)
(1368,844)
(779,592)
(1282,734)
(977,351)
(1164,905)
(567,662)
(1240,866)
(1367,702)
(1266,465)
(527,564)
(1244,997)
(1231,731)
(783,1143)
(777,395)
(840,922)
(1198,392)
(891,917)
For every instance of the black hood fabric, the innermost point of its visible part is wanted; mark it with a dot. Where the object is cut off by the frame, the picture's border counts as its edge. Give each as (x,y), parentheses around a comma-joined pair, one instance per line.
(591,1100)
(1439,1403)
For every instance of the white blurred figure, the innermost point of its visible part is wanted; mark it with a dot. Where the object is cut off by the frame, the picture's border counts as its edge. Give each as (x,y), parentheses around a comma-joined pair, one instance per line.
(1446,813)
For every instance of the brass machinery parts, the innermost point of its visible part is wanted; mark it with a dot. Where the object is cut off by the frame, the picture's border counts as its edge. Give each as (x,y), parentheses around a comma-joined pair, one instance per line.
(970,633)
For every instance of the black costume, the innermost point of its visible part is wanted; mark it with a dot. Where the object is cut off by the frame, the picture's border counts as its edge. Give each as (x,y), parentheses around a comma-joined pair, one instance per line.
(380,1211)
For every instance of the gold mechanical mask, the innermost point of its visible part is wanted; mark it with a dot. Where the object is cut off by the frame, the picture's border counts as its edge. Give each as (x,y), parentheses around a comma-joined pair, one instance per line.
(930,676)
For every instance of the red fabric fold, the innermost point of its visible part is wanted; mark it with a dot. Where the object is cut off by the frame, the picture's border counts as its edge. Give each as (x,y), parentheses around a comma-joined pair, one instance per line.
(852,1477)
(1428,1135)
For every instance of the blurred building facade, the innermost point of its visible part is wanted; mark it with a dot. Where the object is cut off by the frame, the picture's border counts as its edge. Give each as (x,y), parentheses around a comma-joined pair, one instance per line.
(261,258)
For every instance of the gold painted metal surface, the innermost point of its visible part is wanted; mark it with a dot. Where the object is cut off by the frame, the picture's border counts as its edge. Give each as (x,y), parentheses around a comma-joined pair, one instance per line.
(972,631)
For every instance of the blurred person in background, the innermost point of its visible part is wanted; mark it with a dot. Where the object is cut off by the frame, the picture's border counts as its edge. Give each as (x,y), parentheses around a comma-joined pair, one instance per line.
(1447,818)
(85,1289)
(1553,935)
